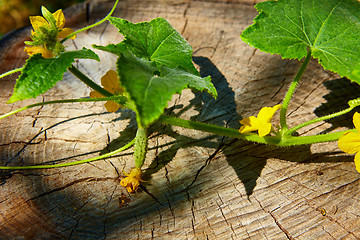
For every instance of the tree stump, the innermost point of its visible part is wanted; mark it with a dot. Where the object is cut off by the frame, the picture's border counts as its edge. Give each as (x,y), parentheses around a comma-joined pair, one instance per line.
(198,185)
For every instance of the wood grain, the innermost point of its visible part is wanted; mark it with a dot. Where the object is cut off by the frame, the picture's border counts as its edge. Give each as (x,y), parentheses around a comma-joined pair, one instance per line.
(199,186)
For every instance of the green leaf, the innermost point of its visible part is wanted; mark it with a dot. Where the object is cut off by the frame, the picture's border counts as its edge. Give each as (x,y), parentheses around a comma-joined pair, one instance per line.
(40,74)
(150,88)
(116,49)
(329,28)
(156,41)
(155,62)
(355,74)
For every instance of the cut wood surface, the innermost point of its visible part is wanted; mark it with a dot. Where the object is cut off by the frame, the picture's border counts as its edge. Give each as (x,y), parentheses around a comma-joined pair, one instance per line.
(198,186)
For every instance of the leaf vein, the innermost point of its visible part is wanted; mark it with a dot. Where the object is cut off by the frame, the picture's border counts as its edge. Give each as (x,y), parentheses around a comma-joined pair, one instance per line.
(295,36)
(299,28)
(323,23)
(162,42)
(303,24)
(337,59)
(339,35)
(341,49)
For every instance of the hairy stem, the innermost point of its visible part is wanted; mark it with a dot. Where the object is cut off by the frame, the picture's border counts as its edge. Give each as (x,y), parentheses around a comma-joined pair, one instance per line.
(217,130)
(323,118)
(234,133)
(71,163)
(11,72)
(291,91)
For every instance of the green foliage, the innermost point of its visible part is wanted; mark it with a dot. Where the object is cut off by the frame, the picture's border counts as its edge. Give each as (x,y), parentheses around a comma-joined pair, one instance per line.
(154,63)
(40,74)
(330,29)
(355,74)
(152,87)
(156,41)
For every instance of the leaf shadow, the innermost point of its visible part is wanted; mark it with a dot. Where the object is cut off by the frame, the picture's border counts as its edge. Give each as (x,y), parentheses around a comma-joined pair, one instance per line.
(221,111)
(247,159)
(340,92)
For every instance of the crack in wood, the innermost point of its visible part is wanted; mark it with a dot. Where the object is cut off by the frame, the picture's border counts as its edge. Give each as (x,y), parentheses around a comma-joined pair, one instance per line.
(223,215)
(88,179)
(105,211)
(252,55)
(20,142)
(282,228)
(172,211)
(218,43)
(77,220)
(207,162)
(38,113)
(150,194)
(185,25)
(27,144)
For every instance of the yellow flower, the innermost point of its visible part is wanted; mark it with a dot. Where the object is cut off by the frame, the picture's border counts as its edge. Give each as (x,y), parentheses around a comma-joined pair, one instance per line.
(31,50)
(46,36)
(132,180)
(261,123)
(350,141)
(37,22)
(111,82)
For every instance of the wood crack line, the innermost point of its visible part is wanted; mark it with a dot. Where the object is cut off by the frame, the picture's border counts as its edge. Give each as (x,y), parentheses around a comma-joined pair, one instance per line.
(287,234)
(88,179)
(208,160)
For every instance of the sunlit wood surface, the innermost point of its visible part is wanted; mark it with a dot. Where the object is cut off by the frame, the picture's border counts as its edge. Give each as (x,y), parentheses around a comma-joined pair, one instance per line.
(199,186)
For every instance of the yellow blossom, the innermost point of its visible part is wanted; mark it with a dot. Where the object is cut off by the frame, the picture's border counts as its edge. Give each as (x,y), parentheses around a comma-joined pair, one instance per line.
(111,82)
(261,123)
(132,180)
(46,36)
(350,141)
(31,50)
(37,22)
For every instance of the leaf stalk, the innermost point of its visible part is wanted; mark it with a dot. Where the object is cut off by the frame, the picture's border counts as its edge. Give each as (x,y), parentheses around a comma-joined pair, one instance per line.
(89,82)
(291,91)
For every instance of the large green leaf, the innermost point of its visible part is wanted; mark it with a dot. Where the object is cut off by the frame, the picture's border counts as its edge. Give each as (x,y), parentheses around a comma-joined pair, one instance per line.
(157,41)
(355,75)
(151,87)
(155,62)
(329,28)
(40,74)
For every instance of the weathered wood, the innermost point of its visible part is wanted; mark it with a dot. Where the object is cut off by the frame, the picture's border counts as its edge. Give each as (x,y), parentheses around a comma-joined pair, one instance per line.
(202,186)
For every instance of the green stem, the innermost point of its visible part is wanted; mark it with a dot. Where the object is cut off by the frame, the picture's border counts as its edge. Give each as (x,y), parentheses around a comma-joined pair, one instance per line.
(118,98)
(305,140)
(93,25)
(89,82)
(11,72)
(72,163)
(234,133)
(291,91)
(217,130)
(333,115)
